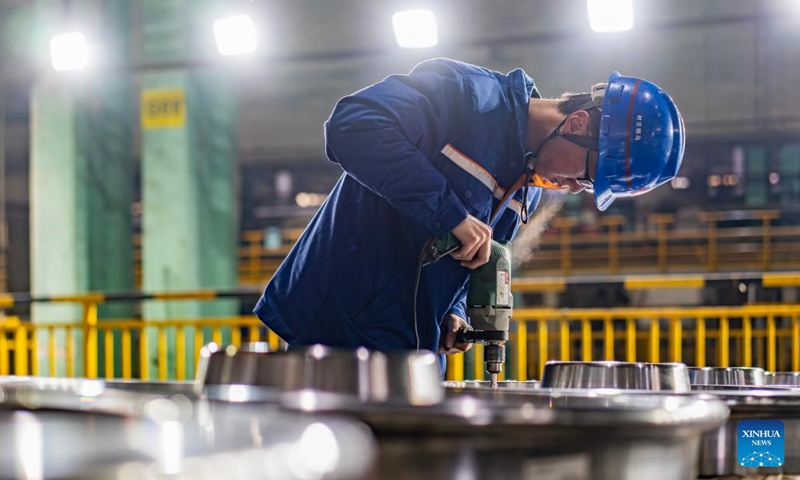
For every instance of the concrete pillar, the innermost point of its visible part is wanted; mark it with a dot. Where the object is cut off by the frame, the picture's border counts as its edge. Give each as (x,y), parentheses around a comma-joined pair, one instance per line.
(81,172)
(189,232)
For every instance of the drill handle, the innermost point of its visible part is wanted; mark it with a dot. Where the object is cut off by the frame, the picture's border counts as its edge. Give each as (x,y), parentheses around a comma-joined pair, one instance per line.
(468,335)
(465,335)
(437,248)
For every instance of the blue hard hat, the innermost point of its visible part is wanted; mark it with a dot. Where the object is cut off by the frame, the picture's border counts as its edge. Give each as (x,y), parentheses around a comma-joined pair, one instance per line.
(641,140)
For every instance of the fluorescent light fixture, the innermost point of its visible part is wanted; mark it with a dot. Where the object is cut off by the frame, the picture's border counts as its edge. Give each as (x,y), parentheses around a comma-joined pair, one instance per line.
(235,35)
(680,183)
(415,28)
(69,51)
(610,15)
(306,200)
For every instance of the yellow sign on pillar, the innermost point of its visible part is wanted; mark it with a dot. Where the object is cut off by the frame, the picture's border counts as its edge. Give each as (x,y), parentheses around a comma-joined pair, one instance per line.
(163,108)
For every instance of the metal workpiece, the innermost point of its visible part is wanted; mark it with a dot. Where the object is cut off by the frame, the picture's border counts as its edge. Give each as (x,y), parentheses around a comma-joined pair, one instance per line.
(456,385)
(456,459)
(83,395)
(165,388)
(504,410)
(726,376)
(78,430)
(718,448)
(782,378)
(262,347)
(73,388)
(757,400)
(505,434)
(671,377)
(721,389)
(401,377)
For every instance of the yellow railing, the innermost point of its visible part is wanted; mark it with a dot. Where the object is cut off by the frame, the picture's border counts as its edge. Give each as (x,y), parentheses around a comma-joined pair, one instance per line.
(764,335)
(20,343)
(611,246)
(708,244)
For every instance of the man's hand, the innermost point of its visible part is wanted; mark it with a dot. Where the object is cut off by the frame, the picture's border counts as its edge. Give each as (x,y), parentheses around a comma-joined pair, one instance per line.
(475,237)
(447,341)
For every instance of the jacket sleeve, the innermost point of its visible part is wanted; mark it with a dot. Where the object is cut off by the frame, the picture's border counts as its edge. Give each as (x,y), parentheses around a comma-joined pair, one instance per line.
(386,135)
(460,305)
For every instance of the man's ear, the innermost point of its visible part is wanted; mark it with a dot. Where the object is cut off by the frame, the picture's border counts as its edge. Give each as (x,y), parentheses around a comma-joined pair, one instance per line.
(577,123)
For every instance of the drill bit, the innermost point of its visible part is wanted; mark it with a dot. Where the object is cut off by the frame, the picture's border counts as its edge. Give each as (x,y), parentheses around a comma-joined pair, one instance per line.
(494,380)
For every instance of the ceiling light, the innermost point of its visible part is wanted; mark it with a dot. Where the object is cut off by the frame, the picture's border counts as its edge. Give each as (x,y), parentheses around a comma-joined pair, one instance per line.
(610,15)
(415,28)
(235,35)
(69,51)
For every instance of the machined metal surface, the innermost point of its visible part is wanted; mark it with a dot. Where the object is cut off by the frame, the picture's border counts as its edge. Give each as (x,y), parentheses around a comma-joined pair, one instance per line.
(484,384)
(718,448)
(187,388)
(616,375)
(401,377)
(726,388)
(726,375)
(77,430)
(782,378)
(262,347)
(509,434)
(506,433)
(75,388)
(73,395)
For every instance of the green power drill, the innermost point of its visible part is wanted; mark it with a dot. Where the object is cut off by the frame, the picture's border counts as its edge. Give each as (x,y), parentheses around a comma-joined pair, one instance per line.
(489,300)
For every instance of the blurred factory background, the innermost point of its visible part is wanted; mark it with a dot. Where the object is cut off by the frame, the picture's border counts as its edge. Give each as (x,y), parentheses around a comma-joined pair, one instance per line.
(175,148)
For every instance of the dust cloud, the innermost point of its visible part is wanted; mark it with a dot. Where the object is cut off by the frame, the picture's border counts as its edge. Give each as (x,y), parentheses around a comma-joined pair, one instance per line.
(529,237)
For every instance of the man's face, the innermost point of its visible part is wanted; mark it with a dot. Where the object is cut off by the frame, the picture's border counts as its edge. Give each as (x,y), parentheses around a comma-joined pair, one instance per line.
(564,163)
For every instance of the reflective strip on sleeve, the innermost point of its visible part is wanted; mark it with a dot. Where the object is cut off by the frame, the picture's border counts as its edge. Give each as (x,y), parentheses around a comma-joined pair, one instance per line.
(474,169)
(515,206)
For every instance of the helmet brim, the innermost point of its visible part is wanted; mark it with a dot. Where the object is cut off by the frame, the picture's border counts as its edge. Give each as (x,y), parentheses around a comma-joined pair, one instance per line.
(603,196)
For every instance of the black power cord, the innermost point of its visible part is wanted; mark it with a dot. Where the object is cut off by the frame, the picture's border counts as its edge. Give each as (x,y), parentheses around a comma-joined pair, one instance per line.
(426,255)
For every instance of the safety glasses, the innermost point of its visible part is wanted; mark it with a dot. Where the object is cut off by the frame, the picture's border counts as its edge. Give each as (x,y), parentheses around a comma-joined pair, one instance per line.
(584,181)
(590,144)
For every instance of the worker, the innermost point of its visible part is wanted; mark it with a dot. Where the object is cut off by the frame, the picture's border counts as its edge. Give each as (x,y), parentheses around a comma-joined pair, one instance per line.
(452,147)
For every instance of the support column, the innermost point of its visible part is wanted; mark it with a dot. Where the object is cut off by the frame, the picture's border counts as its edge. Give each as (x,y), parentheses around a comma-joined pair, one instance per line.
(189,233)
(81,191)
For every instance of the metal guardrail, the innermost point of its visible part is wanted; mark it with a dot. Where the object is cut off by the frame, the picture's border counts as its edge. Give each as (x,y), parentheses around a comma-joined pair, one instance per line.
(766,336)
(648,282)
(720,241)
(759,335)
(19,345)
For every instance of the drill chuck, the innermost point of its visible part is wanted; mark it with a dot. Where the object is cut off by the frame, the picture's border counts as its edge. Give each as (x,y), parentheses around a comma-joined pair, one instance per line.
(494,355)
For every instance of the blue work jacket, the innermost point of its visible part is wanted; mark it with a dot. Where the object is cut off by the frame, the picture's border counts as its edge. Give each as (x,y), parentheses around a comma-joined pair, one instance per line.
(419,152)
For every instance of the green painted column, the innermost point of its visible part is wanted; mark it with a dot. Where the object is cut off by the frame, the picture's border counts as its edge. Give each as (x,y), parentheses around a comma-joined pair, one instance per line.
(789,174)
(189,232)
(81,171)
